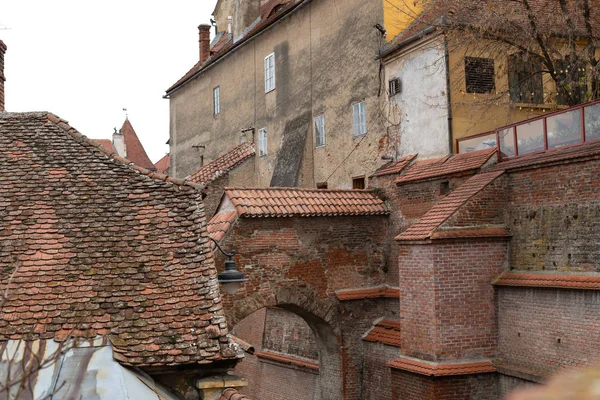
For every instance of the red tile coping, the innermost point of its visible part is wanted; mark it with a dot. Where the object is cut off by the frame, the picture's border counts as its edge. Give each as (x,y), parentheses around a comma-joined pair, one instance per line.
(219,225)
(549,280)
(441,369)
(288,359)
(300,202)
(368,293)
(460,163)
(385,332)
(559,155)
(163,164)
(247,347)
(107,144)
(222,164)
(133,147)
(232,394)
(439,213)
(471,233)
(395,167)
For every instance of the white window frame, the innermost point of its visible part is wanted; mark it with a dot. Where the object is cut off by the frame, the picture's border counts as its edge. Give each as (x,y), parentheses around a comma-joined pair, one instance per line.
(262,142)
(217,100)
(270,73)
(359,118)
(319,127)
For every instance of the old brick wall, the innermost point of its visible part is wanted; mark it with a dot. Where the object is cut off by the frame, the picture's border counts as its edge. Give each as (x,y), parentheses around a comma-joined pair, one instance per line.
(288,333)
(214,192)
(407,385)
(377,375)
(507,383)
(286,382)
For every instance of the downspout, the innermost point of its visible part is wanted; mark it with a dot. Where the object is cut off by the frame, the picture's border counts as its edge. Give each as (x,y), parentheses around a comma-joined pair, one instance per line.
(448,97)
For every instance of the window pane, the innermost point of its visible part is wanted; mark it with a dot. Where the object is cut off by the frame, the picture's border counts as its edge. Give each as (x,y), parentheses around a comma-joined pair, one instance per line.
(592,122)
(477,143)
(530,137)
(320,130)
(507,142)
(564,129)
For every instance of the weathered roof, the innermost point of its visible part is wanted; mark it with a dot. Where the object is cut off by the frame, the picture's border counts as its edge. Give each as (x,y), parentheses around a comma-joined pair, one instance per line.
(163,164)
(222,164)
(296,202)
(133,147)
(548,280)
(385,332)
(368,293)
(232,394)
(271,12)
(101,245)
(220,223)
(107,143)
(423,228)
(442,368)
(460,163)
(395,167)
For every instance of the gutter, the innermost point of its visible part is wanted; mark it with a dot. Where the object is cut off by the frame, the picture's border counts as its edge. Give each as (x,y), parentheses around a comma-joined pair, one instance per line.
(407,41)
(236,45)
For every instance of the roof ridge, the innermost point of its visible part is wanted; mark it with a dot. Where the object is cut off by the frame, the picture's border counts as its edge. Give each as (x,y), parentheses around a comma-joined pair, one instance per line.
(81,138)
(291,188)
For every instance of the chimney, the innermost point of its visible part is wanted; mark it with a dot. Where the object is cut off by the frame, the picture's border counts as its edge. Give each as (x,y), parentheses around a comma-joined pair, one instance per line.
(204,39)
(119,143)
(2,78)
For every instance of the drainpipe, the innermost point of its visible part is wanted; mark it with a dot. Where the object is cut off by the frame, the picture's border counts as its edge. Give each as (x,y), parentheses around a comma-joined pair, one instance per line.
(448,97)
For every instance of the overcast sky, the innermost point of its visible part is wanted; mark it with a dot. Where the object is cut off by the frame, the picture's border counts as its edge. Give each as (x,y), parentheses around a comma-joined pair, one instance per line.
(85,61)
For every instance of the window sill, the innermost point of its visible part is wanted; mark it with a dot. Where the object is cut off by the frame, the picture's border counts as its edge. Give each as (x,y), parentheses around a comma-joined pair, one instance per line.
(320,147)
(270,90)
(359,136)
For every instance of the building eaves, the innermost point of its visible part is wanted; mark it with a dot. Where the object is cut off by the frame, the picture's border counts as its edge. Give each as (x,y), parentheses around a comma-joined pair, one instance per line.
(556,280)
(385,332)
(394,167)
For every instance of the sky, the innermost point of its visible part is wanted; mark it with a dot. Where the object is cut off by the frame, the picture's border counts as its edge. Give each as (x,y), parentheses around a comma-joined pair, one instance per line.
(87,60)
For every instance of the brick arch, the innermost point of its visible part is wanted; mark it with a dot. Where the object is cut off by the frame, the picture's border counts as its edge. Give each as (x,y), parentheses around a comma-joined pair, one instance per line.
(320,314)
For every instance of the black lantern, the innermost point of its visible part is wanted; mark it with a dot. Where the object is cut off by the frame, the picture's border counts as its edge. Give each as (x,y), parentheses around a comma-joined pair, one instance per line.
(231,278)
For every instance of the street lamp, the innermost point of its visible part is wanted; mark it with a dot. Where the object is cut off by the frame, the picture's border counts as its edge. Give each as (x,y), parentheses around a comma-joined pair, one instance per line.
(231,278)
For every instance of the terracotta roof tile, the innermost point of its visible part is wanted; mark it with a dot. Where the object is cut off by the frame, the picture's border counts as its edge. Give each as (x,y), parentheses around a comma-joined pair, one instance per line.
(107,144)
(549,280)
(460,163)
(133,147)
(105,246)
(163,164)
(297,202)
(395,167)
(232,394)
(222,164)
(443,210)
(441,369)
(560,154)
(289,359)
(219,225)
(368,293)
(385,332)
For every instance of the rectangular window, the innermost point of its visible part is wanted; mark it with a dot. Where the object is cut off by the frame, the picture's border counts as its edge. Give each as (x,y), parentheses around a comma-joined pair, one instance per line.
(359,111)
(270,72)
(479,75)
(394,85)
(262,142)
(320,130)
(525,79)
(217,100)
(358,182)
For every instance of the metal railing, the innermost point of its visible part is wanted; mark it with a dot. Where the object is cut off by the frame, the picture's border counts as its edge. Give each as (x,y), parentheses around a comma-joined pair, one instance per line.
(549,131)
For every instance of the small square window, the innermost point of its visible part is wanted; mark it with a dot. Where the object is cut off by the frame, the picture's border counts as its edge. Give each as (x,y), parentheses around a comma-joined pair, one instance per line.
(359,115)
(358,182)
(270,72)
(217,100)
(394,86)
(479,75)
(321,185)
(262,142)
(320,130)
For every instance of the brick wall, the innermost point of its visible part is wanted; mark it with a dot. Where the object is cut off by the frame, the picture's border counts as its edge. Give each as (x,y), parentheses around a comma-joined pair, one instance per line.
(406,385)
(214,192)
(554,214)
(377,376)
(288,333)
(506,384)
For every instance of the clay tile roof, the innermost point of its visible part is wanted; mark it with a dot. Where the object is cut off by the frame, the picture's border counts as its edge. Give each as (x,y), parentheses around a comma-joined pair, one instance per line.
(163,164)
(385,332)
(107,144)
(460,163)
(560,154)
(548,280)
(219,224)
(105,246)
(443,210)
(395,167)
(441,369)
(289,359)
(232,394)
(133,147)
(297,202)
(368,293)
(222,164)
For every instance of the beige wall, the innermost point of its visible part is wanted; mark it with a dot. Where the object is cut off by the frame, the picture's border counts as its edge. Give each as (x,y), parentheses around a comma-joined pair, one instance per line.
(325,61)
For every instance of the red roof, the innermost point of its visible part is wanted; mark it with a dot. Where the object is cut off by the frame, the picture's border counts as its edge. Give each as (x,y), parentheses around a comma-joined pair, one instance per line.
(289,359)
(232,394)
(219,224)
(441,369)
(107,144)
(297,202)
(222,164)
(385,332)
(368,293)
(163,164)
(460,163)
(103,246)
(443,210)
(395,167)
(133,147)
(548,280)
